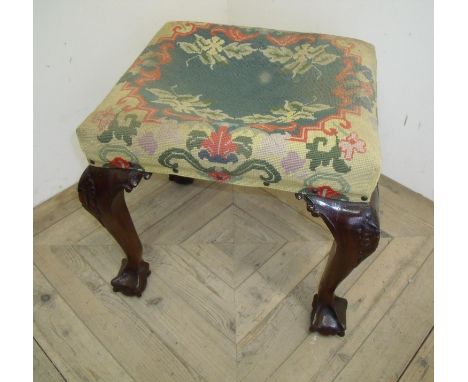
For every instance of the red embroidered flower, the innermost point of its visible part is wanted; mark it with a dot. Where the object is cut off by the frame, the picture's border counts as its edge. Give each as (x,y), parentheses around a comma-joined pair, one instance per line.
(219,145)
(119,162)
(352,144)
(219,176)
(327,192)
(324,192)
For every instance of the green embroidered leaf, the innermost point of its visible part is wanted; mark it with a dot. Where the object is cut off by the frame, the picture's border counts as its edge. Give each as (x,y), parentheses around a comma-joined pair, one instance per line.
(127,139)
(128,77)
(189,47)
(236,50)
(121,132)
(324,158)
(244,145)
(365,72)
(366,102)
(105,137)
(340,166)
(279,54)
(195,138)
(169,159)
(272,175)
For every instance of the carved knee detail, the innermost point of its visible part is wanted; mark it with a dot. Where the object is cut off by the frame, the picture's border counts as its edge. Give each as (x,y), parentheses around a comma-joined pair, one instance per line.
(87,193)
(99,185)
(101,192)
(355,228)
(349,222)
(369,235)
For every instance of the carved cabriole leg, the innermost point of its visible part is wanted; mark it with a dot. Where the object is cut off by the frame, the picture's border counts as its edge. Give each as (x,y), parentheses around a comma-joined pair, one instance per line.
(101,193)
(355,228)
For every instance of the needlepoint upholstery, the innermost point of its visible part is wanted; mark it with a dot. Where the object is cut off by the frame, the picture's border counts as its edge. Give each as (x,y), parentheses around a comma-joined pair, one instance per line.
(248,106)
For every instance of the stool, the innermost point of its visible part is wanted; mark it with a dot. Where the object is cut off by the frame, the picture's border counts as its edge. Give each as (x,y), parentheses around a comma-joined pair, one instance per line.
(248,106)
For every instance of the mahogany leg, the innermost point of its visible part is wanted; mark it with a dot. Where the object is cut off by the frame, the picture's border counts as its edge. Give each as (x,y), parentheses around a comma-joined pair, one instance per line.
(101,193)
(355,228)
(180,179)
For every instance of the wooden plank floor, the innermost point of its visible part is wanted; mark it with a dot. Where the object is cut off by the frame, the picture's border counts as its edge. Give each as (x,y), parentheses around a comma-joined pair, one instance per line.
(234,272)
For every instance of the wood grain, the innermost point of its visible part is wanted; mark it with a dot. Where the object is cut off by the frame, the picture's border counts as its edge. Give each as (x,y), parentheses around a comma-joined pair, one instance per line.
(68,341)
(234,272)
(43,369)
(421,368)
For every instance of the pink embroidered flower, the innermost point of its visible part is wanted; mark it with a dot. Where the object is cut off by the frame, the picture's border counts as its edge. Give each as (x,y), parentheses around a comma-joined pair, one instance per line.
(292,162)
(352,144)
(148,143)
(103,118)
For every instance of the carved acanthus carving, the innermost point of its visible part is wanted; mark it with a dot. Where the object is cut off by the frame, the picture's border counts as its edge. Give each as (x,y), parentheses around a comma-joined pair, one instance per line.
(355,228)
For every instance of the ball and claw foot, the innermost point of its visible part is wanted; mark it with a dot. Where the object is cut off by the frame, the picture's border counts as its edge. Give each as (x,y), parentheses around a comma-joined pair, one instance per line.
(329,320)
(180,179)
(131,282)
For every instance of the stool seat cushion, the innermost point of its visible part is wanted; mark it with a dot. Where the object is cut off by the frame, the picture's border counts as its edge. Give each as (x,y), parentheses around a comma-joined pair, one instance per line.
(248,106)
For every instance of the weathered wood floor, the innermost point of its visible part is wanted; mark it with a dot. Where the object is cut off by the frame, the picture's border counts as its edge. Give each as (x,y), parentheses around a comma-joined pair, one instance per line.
(234,272)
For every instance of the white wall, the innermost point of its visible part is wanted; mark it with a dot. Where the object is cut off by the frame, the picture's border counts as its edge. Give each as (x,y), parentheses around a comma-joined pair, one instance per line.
(402,32)
(82,48)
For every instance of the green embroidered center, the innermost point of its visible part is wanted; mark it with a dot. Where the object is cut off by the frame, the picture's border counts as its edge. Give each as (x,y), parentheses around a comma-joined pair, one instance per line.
(252,82)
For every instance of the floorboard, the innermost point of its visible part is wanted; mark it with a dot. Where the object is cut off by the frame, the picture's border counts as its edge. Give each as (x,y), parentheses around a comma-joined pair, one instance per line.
(234,272)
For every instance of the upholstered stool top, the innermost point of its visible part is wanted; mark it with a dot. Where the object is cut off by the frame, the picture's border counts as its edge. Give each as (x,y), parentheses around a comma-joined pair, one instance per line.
(249,106)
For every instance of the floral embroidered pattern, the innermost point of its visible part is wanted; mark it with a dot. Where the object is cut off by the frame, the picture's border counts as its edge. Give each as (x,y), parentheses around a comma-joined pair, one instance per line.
(212,51)
(290,112)
(219,148)
(326,192)
(189,104)
(104,118)
(324,158)
(123,130)
(294,111)
(301,59)
(350,145)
